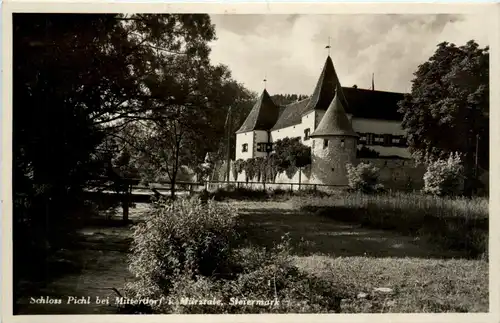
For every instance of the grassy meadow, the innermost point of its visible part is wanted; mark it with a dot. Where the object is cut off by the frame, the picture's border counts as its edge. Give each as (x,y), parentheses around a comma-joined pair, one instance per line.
(451,223)
(346,252)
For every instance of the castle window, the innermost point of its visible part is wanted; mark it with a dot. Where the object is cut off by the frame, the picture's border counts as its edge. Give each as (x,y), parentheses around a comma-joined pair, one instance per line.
(306,134)
(342,143)
(244,148)
(369,138)
(379,139)
(387,140)
(362,138)
(325,143)
(269,147)
(395,140)
(260,147)
(402,142)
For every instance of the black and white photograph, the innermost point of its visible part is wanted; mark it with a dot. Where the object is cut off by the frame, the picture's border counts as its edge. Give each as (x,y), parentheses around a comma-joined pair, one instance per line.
(249,163)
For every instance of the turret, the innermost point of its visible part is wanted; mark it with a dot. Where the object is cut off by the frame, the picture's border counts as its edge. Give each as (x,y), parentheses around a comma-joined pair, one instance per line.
(252,138)
(334,145)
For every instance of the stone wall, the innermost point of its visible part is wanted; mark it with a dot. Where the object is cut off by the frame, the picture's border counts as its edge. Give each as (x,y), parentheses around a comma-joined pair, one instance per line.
(399,174)
(328,163)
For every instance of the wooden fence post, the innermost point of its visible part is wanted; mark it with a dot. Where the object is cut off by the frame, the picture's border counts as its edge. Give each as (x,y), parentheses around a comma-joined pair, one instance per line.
(300,175)
(126,201)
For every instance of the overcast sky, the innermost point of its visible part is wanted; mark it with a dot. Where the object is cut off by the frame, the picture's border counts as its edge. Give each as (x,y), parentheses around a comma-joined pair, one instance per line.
(290,49)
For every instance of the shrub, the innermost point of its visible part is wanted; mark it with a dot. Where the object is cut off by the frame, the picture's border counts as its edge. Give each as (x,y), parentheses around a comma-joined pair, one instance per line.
(444,177)
(183,237)
(363,178)
(269,276)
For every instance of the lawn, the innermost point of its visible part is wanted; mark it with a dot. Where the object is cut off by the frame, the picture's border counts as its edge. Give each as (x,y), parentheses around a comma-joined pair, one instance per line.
(422,278)
(459,224)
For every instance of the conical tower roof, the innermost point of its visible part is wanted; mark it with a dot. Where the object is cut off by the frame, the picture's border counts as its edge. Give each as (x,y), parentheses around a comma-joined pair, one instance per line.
(263,115)
(326,87)
(335,122)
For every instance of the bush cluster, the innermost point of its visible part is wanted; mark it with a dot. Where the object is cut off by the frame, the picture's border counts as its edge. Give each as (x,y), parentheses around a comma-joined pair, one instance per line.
(184,237)
(444,177)
(186,250)
(363,178)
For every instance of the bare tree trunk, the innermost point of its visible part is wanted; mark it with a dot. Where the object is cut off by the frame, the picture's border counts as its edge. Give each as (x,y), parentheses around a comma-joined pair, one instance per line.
(175,169)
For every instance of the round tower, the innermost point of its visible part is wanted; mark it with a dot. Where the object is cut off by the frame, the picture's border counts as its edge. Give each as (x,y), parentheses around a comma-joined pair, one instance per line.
(334,145)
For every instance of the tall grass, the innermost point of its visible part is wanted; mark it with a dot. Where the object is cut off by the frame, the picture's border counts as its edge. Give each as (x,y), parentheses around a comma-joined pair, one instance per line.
(453,223)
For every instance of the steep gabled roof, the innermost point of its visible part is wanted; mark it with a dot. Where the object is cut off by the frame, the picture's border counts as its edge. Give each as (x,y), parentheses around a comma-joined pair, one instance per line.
(326,89)
(291,114)
(335,122)
(263,115)
(372,104)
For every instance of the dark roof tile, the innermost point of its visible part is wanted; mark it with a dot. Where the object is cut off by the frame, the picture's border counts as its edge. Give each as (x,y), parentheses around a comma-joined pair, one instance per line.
(325,88)
(335,122)
(263,115)
(291,114)
(372,104)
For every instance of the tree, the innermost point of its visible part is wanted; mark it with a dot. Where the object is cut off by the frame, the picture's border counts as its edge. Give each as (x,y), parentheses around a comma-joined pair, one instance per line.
(285,99)
(79,81)
(290,154)
(448,108)
(187,121)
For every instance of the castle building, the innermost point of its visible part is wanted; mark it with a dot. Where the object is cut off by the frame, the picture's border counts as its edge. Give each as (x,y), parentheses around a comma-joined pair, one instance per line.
(334,121)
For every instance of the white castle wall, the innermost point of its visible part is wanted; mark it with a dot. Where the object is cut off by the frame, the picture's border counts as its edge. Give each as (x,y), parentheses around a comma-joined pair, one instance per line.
(244,138)
(260,136)
(399,174)
(288,132)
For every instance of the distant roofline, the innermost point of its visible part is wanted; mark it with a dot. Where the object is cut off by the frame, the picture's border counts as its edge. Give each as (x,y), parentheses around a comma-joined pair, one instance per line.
(370,90)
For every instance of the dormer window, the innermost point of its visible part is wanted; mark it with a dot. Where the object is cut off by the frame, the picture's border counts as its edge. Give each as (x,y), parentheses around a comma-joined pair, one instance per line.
(307,132)
(244,148)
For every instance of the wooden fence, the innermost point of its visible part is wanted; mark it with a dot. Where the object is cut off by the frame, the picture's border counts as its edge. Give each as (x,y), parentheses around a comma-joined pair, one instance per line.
(129,190)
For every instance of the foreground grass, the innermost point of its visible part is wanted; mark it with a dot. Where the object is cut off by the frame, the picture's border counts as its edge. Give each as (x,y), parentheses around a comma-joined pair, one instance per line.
(357,260)
(418,285)
(451,223)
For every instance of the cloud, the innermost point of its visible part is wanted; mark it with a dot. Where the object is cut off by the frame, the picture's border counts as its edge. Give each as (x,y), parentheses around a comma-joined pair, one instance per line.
(289,50)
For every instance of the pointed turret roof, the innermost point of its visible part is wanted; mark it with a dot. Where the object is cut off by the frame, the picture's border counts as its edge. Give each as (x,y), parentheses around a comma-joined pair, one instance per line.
(263,115)
(325,88)
(335,121)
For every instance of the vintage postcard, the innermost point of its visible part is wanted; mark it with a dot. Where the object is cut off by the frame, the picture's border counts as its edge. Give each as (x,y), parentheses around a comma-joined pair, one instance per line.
(166,161)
